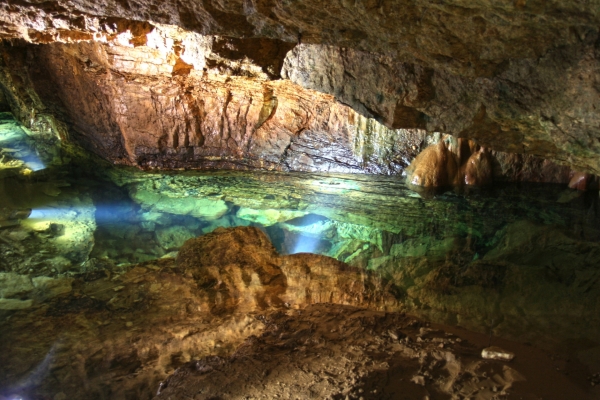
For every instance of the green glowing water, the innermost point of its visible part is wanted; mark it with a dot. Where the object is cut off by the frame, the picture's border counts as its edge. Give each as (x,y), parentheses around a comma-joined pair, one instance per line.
(509,253)
(63,219)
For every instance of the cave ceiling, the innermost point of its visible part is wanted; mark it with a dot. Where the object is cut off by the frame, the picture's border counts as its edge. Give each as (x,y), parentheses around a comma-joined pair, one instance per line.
(161,83)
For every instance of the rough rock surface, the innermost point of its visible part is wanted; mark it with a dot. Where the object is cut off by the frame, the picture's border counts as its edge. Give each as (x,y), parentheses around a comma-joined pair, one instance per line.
(540,104)
(341,352)
(186,101)
(519,76)
(240,269)
(118,333)
(535,280)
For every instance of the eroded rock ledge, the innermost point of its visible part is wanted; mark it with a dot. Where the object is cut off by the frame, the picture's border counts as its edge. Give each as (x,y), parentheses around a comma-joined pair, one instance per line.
(187,101)
(520,77)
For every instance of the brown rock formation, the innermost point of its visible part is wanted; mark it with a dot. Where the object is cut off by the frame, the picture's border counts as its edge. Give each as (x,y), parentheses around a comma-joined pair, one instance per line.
(330,351)
(583,181)
(435,166)
(119,333)
(519,77)
(452,162)
(478,169)
(541,105)
(240,270)
(158,106)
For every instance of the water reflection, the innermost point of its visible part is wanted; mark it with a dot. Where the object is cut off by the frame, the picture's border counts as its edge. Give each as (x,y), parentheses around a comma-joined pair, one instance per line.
(16,148)
(360,220)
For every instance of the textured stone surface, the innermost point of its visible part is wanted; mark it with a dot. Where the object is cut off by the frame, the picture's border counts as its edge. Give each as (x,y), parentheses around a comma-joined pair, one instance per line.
(542,105)
(124,330)
(519,76)
(328,351)
(158,106)
(240,270)
(121,331)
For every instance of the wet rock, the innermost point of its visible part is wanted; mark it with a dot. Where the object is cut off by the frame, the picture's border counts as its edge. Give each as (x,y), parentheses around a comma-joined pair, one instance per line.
(156,202)
(496,353)
(510,283)
(173,237)
(478,169)
(242,122)
(449,161)
(51,287)
(426,247)
(582,181)
(336,351)
(435,166)
(240,270)
(268,217)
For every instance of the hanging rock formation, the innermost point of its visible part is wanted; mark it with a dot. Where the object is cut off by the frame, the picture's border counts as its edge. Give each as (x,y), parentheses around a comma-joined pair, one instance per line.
(435,166)
(519,77)
(451,162)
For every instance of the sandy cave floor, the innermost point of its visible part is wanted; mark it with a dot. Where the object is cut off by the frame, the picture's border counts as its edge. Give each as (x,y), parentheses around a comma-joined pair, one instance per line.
(331,351)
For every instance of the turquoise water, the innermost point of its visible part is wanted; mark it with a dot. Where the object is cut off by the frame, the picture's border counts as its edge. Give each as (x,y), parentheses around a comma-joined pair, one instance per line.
(518,260)
(60,217)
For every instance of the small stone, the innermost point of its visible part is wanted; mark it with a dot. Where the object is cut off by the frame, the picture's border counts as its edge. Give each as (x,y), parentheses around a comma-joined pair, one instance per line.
(129,324)
(418,379)
(496,353)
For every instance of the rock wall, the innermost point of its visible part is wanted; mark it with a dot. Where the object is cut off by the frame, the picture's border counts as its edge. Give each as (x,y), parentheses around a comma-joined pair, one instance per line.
(519,77)
(543,105)
(188,101)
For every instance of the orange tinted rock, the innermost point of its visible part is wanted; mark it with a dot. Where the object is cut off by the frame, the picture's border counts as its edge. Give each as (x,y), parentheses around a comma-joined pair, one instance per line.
(478,169)
(434,166)
(582,181)
(240,270)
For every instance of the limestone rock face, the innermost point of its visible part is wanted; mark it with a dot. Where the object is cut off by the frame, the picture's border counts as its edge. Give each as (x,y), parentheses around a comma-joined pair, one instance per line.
(534,105)
(240,270)
(453,161)
(478,170)
(197,102)
(519,76)
(435,166)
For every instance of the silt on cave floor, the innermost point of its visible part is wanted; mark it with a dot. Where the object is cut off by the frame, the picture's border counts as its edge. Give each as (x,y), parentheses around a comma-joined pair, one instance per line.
(231,318)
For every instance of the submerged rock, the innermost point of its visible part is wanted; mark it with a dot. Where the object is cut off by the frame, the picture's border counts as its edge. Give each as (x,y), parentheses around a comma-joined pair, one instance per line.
(173,237)
(268,217)
(241,270)
(155,202)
